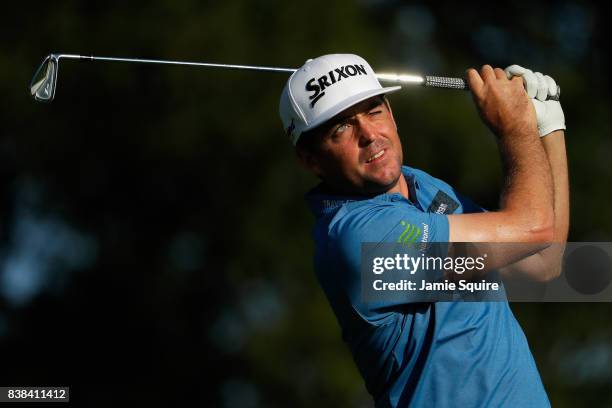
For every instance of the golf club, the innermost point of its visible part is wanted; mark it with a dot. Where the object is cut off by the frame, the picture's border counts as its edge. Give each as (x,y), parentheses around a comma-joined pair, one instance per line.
(43,84)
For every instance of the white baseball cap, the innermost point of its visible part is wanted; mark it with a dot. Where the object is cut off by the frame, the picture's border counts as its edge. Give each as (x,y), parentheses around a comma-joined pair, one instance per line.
(324,87)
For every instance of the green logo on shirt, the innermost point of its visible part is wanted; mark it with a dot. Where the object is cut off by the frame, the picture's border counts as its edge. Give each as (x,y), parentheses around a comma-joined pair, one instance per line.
(410,234)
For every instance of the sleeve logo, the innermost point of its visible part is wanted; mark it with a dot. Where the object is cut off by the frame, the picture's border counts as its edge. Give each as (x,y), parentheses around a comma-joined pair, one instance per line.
(410,235)
(443,204)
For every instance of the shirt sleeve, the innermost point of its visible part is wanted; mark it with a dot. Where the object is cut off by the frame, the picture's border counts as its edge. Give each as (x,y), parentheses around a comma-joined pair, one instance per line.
(393,228)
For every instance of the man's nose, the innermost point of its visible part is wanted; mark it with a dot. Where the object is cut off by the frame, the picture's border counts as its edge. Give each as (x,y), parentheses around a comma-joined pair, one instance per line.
(366,131)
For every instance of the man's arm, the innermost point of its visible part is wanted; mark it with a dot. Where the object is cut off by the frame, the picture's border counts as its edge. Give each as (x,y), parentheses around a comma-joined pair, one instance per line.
(554,145)
(546,264)
(526,212)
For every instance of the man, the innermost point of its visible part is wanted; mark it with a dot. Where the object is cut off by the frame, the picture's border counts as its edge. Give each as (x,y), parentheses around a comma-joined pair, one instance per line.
(440,353)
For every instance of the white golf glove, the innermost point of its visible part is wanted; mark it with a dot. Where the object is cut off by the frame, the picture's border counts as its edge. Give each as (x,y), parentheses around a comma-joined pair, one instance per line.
(538,86)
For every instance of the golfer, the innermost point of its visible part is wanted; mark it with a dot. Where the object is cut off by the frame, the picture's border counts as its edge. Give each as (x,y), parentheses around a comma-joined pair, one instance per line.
(438,354)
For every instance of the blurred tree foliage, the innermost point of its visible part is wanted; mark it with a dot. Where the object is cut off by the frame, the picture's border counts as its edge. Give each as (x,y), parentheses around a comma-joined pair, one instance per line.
(154,244)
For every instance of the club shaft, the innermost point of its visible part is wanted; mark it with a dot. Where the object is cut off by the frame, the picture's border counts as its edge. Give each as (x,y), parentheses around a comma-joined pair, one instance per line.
(183,63)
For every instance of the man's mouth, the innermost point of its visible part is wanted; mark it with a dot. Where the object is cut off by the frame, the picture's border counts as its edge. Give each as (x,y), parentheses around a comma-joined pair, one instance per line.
(375,156)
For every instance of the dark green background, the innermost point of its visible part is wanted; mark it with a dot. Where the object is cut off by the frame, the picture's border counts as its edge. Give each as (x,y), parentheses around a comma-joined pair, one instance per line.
(154,244)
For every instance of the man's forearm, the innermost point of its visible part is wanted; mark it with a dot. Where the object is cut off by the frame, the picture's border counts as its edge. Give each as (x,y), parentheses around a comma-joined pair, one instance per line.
(526,170)
(554,146)
(546,264)
(551,257)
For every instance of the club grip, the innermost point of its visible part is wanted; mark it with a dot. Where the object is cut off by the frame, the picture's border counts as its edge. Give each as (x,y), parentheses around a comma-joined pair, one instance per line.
(460,83)
(445,82)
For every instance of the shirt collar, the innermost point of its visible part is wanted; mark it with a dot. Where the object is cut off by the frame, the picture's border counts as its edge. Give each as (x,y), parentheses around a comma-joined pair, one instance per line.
(323,202)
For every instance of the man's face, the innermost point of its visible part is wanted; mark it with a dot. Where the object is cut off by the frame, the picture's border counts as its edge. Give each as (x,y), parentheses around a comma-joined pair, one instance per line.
(359,150)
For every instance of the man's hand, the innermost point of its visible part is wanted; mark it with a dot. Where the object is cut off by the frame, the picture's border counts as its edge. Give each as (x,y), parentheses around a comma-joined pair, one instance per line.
(538,86)
(503,103)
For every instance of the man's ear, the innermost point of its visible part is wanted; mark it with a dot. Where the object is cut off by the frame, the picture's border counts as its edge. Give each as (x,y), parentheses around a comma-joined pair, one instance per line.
(308,160)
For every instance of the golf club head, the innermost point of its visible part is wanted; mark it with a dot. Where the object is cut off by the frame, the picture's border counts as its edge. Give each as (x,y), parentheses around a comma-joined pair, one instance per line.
(42,86)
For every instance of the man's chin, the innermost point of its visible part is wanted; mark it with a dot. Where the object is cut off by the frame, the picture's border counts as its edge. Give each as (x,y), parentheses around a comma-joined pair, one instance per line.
(384,179)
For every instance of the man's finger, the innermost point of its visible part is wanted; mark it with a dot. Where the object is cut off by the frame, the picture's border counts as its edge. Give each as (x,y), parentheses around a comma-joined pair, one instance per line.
(514,70)
(531,83)
(552,85)
(499,73)
(542,86)
(487,73)
(475,82)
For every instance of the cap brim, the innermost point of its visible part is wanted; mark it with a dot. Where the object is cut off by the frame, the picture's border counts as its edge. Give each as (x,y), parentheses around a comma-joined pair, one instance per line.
(347,103)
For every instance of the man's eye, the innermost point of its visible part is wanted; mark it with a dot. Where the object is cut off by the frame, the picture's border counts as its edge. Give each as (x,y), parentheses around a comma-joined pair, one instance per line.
(341,128)
(375,112)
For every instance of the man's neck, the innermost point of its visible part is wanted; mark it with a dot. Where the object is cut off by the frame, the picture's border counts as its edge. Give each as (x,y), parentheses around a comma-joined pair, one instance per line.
(401,187)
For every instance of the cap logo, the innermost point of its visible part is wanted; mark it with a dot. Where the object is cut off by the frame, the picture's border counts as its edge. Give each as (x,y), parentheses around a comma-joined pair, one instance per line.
(318,85)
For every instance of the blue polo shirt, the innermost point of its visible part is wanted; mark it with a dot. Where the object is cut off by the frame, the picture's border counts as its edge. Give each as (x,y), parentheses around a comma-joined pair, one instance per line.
(442,354)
